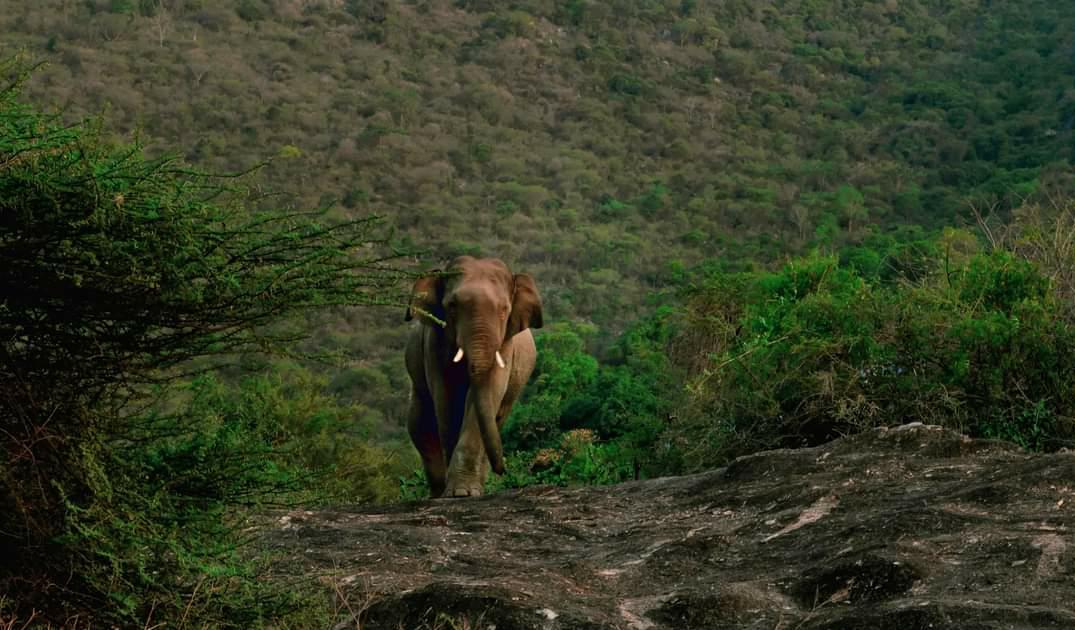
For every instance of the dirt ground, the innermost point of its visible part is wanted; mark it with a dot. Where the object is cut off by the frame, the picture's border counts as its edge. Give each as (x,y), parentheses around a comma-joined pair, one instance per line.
(908,528)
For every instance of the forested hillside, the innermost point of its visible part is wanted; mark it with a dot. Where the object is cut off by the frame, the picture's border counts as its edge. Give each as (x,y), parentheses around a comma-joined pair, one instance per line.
(596,144)
(604,147)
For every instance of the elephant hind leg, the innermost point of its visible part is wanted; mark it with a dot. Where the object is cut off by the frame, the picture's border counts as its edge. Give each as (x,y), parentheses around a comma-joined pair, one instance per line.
(422,425)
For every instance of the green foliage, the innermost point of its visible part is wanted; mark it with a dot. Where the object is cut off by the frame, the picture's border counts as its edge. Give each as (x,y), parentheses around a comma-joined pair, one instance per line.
(820,349)
(618,410)
(564,369)
(654,200)
(625,85)
(509,24)
(121,500)
(611,209)
(251,10)
(328,443)
(576,459)
(125,7)
(164,514)
(904,254)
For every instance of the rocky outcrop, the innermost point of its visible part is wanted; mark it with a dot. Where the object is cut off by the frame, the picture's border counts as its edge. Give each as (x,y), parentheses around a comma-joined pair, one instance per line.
(907,528)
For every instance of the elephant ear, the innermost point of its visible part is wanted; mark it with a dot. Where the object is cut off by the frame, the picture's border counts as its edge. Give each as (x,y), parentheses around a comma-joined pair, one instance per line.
(525,306)
(426,297)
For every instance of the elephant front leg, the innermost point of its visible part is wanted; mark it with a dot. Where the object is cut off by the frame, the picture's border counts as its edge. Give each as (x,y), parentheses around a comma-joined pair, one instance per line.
(468,465)
(465,477)
(501,416)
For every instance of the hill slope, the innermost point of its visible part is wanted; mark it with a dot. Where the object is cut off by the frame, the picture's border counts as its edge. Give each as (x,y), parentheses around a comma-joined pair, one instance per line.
(601,146)
(601,139)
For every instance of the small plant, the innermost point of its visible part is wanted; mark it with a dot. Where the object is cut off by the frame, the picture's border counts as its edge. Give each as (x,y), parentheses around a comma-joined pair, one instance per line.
(1030,429)
(124,7)
(414,486)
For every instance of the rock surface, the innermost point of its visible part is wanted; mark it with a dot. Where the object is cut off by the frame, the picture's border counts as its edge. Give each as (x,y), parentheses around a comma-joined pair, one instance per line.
(908,528)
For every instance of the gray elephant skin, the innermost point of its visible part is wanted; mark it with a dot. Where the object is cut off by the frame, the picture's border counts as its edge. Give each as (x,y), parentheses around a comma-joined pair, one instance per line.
(467,372)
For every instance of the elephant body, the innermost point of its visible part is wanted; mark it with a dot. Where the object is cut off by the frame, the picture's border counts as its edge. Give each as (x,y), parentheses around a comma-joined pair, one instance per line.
(467,373)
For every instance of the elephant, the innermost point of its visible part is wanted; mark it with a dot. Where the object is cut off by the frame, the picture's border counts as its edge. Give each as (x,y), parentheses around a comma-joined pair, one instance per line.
(468,368)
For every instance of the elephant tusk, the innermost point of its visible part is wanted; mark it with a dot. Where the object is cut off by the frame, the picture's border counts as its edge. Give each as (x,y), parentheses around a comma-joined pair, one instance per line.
(458,356)
(500,359)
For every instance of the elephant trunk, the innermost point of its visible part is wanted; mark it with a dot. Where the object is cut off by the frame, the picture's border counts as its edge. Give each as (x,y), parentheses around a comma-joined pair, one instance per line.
(480,350)
(483,353)
(494,450)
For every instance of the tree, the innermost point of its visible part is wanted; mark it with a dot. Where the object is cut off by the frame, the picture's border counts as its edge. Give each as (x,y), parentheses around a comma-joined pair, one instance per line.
(160,16)
(850,204)
(116,272)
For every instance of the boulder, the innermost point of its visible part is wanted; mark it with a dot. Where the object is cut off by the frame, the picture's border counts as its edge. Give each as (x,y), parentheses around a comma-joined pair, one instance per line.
(903,528)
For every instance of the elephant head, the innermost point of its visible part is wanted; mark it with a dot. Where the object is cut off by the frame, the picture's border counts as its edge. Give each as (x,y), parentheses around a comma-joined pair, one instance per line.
(482,305)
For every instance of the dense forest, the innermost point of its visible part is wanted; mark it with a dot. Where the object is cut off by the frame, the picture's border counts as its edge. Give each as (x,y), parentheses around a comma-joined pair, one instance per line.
(607,140)
(753,223)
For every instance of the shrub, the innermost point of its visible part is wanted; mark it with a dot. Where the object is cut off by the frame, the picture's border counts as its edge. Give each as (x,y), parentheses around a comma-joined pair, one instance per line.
(577,459)
(621,405)
(120,501)
(817,351)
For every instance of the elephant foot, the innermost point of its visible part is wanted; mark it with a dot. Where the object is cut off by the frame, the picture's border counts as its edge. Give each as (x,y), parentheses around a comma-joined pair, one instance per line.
(462,491)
